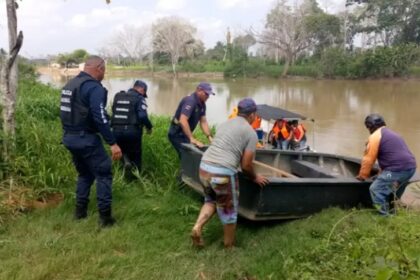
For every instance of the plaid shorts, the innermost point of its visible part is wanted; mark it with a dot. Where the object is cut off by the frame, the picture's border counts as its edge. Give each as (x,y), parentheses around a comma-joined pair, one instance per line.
(221,187)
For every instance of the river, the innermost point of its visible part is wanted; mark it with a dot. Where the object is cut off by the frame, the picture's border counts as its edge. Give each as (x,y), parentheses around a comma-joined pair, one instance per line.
(337,106)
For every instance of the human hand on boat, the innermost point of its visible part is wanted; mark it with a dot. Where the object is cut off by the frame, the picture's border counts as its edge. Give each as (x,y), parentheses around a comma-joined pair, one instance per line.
(261,180)
(197,143)
(358,177)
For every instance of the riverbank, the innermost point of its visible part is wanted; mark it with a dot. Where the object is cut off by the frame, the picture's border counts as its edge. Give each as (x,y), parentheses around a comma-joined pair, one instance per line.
(123,72)
(151,238)
(296,74)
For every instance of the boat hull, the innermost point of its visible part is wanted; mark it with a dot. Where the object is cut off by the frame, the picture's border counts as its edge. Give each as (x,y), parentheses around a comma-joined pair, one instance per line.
(331,183)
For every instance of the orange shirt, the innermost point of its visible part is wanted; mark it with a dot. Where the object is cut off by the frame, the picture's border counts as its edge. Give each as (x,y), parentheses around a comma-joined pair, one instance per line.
(256,123)
(371,154)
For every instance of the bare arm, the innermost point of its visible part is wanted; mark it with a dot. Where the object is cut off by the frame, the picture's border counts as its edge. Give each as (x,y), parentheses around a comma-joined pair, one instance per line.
(248,169)
(205,127)
(183,121)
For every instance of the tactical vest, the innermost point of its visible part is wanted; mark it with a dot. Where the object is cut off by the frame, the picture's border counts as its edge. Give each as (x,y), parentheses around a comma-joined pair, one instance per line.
(124,109)
(72,110)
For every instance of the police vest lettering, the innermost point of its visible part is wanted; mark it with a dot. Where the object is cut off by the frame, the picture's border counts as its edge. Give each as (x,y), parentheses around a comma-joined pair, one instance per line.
(124,109)
(72,110)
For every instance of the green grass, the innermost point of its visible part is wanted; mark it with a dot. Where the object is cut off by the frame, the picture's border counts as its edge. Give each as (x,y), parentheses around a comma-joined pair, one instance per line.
(414,71)
(151,238)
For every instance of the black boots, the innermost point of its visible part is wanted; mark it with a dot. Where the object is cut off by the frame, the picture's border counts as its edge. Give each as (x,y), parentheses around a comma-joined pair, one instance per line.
(80,212)
(106,219)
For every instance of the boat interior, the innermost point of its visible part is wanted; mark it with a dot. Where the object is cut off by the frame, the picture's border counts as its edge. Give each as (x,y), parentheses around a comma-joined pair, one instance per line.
(305,165)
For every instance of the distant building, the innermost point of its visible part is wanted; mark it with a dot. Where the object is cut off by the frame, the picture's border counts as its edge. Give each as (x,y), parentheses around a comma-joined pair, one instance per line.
(55,65)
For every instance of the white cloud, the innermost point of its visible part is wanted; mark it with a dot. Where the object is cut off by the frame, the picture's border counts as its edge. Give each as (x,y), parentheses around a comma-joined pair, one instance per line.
(228,4)
(171,4)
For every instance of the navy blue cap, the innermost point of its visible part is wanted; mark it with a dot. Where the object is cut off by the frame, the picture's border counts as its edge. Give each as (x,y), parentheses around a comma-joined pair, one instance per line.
(206,87)
(140,83)
(246,106)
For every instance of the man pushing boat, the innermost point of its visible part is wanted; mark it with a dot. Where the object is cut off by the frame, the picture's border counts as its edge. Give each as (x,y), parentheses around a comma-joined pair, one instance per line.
(234,145)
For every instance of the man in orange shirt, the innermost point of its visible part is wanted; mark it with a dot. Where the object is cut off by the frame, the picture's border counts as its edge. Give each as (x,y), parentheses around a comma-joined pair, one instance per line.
(396,161)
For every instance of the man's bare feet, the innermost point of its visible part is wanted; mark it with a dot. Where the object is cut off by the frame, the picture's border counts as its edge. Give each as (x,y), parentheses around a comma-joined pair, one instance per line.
(196,238)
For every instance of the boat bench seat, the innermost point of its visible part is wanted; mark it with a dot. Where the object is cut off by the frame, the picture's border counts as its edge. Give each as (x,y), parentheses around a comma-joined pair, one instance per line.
(306,169)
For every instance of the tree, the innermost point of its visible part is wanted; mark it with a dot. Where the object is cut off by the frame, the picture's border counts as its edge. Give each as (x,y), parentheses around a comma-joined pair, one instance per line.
(75,57)
(9,78)
(285,30)
(218,52)
(172,35)
(244,42)
(324,31)
(392,22)
(131,42)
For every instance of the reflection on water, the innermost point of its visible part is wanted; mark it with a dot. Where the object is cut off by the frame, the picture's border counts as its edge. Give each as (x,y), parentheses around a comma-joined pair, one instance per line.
(338,107)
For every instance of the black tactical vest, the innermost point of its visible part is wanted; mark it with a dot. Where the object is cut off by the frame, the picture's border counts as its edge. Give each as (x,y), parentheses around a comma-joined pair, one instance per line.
(72,110)
(124,109)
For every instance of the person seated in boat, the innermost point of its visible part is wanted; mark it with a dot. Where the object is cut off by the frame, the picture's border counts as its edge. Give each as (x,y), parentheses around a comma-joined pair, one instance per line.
(219,172)
(234,113)
(298,141)
(396,161)
(280,134)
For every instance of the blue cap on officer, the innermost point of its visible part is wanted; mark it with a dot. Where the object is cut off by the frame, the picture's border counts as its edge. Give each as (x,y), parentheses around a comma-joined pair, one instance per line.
(140,83)
(206,87)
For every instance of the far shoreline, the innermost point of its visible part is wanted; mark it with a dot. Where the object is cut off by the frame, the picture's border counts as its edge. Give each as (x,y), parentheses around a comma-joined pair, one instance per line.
(205,75)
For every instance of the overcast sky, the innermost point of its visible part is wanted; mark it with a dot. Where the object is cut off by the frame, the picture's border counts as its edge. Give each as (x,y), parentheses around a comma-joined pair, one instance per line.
(57,26)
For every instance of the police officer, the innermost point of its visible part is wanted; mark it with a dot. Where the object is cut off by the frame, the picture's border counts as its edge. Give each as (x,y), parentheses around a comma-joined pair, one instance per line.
(83,117)
(191,111)
(129,115)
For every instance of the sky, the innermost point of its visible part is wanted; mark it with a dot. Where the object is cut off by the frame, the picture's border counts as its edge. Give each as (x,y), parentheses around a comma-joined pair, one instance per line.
(60,26)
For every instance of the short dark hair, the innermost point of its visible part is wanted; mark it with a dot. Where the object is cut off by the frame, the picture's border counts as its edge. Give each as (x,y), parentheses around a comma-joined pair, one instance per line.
(374,121)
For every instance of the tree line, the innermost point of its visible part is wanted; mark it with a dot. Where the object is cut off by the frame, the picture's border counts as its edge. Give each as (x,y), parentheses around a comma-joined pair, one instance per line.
(376,34)
(370,38)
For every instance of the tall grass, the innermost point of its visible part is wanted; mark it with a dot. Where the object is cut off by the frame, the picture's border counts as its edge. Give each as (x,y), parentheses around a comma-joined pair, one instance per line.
(150,240)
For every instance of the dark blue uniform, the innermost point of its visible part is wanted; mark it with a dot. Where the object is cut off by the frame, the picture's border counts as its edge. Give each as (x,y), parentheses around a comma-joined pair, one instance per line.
(128,119)
(194,109)
(83,116)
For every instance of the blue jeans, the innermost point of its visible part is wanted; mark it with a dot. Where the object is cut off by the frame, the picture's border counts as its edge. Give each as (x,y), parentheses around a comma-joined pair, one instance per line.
(385,185)
(283,144)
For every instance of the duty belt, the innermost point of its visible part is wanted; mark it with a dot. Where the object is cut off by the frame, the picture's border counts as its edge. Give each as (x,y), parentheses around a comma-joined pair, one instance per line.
(126,127)
(78,132)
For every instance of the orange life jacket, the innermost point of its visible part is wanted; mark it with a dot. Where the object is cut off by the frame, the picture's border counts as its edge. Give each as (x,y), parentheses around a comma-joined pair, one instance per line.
(285,133)
(234,113)
(299,132)
(256,123)
(275,130)
(280,127)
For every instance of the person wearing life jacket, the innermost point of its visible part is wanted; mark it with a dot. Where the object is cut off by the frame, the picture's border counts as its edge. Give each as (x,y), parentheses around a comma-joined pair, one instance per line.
(396,161)
(85,121)
(256,123)
(299,135)
(281,134)
(234,113)
(129,116)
